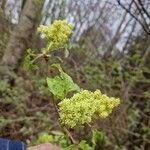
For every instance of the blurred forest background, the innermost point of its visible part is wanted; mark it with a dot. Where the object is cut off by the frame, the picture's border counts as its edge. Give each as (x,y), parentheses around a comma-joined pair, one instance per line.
(110,51)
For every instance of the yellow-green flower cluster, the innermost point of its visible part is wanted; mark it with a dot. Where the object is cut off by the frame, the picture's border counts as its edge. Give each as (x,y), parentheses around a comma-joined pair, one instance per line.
(56,34)
(83,106)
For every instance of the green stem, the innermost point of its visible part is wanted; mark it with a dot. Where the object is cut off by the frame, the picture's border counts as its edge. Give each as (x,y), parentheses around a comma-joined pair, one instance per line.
(39,56)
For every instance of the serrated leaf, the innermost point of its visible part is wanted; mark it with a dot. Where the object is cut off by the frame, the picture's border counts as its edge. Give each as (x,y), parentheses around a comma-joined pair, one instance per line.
(56,86)
(61,85)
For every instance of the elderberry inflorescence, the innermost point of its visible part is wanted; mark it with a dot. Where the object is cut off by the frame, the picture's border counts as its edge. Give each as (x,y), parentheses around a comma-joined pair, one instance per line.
(85,105)
(56,34)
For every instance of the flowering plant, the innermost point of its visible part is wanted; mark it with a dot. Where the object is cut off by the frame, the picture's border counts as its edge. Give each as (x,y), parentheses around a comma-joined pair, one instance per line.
(83,105)
(57,34)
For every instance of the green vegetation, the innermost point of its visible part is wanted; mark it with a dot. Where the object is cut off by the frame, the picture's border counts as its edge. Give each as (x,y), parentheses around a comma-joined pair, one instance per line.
(80,87)
(82,106)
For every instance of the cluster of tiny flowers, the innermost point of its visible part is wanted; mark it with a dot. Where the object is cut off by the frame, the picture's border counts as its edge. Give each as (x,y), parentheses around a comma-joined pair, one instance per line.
(83,106)
(56,34)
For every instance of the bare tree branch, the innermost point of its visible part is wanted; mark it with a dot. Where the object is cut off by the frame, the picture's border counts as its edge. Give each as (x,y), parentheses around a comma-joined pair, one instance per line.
(143,8)
(145,26)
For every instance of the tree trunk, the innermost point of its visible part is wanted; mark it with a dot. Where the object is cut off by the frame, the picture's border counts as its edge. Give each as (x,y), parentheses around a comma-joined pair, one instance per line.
(23,4)
(116,37)
(129,37)
(3,3)
(22,34)
(146,55)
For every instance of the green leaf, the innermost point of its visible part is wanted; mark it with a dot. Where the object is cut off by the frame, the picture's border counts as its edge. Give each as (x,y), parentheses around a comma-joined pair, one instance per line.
(119,147)
(71,147)
(44,138)
(84,146)
(57,133)
(66,52)
(28,64)
(3,86)
(98,136)
(61,85)
(56,86)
